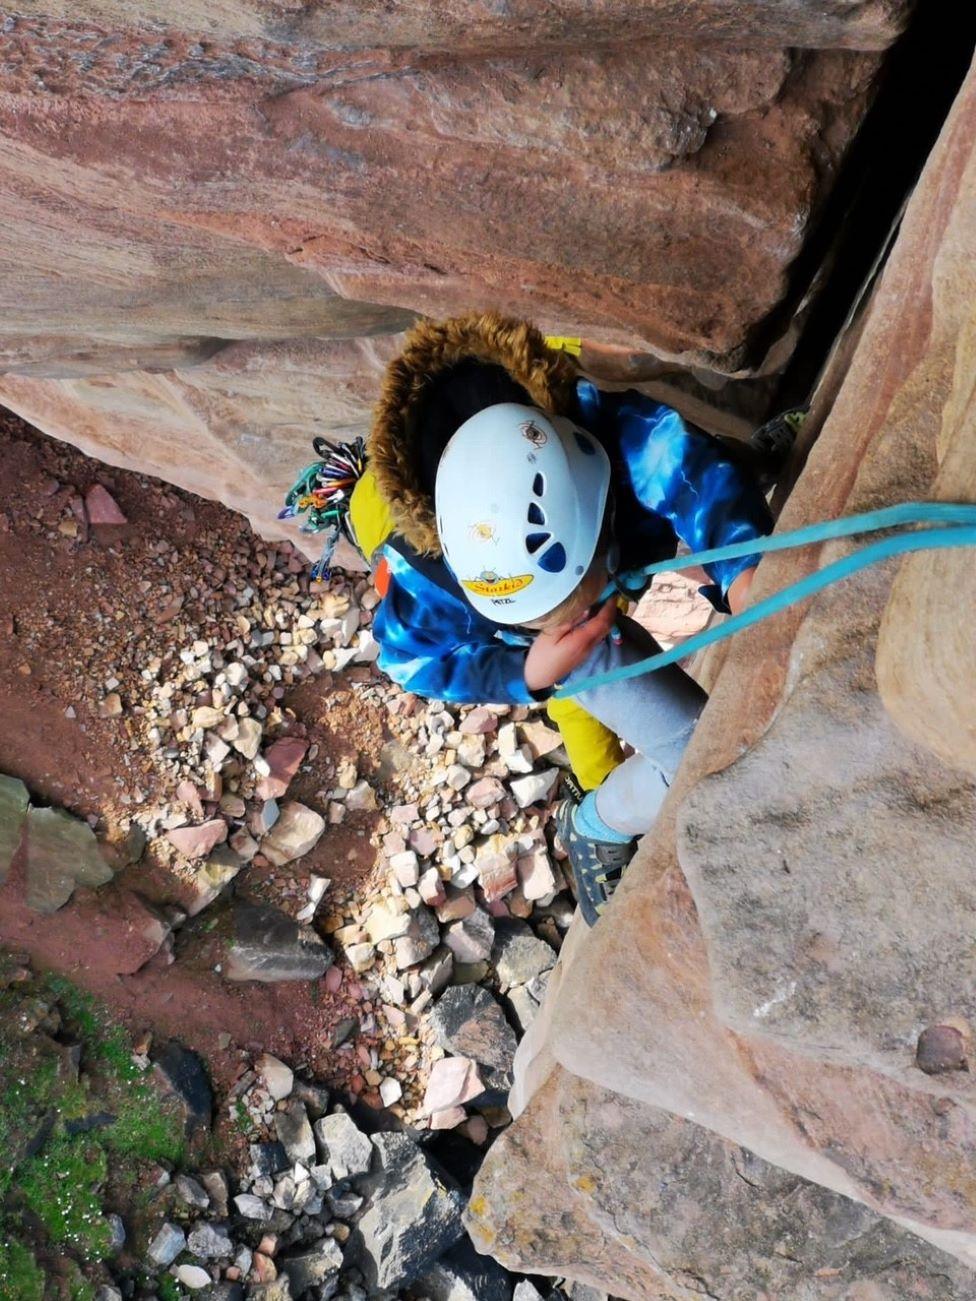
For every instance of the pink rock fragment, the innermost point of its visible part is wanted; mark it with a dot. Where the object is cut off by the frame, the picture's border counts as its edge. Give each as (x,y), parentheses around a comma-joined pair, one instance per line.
(485,792)
(457,905)
(535,875)
(453,1080)
(424,841)
(333,980)
(188,794)
(497,876)
(284,759)
(405,868)
(101,507)
(395,1016)
(477,1130)
(479,722)
(139,933)
(540,739)
(404,814)
(393,843)
(431,887)
(470,939)
(197,842)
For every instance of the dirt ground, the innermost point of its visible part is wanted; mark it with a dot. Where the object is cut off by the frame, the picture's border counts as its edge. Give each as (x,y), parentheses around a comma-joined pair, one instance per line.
(83,607)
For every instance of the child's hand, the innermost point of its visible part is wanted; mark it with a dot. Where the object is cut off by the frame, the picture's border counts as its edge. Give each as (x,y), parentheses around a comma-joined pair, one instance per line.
(738,594)
(555,653)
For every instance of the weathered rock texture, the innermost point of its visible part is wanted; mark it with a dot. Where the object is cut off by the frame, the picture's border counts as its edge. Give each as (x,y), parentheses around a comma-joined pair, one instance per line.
(664,1208)
(789,961)
(217,218)
(485,24)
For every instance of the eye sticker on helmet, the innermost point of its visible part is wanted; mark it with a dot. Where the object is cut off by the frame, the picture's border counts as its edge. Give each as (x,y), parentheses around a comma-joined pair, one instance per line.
(492,586)
(536,436)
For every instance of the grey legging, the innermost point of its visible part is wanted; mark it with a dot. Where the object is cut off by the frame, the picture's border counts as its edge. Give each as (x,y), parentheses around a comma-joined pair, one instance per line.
(655,713)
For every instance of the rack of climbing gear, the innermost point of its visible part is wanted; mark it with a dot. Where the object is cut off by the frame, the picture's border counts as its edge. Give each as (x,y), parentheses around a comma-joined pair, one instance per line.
(322,493)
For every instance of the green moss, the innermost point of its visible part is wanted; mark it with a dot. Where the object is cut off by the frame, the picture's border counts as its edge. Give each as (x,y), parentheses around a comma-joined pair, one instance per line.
(82,1290)
(21,1278)
(167,1288)
(61,1185)
(241,1118)
(105,1042)
(56,1198)
(145,1130)
(78,1006)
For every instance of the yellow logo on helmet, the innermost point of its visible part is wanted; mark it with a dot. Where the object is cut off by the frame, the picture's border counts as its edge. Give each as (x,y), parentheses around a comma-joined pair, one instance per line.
(492,586)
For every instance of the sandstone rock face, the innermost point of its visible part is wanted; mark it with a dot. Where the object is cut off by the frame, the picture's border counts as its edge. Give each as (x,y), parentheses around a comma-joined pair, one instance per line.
(665,1209)
(236,427)
(925,652)
(483,24)
(216,219)
(788,962)
(841,868)
(679,154)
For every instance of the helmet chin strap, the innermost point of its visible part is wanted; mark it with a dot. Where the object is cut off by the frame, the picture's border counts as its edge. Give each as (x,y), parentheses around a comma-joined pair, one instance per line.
(613,587)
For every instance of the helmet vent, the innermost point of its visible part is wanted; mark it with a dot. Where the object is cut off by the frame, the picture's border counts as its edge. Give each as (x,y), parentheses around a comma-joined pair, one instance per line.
(539,485)
(535,541)
(553,561)
(536,514)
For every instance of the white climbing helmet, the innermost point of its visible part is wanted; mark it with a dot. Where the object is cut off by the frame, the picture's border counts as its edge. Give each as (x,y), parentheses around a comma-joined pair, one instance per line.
(520,498)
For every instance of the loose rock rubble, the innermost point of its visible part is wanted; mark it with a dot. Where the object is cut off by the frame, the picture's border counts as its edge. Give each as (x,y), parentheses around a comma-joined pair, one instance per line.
(455,938)
(451,943)
(324,1209)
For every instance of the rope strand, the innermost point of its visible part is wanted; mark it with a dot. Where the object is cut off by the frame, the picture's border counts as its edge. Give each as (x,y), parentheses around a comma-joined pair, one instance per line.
(961,514)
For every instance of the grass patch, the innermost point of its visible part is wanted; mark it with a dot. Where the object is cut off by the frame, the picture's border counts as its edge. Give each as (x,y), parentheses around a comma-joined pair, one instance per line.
(53,1183)
(106,1042)
(144,1131)
(62,1186)
(167,1289)
(20,1273)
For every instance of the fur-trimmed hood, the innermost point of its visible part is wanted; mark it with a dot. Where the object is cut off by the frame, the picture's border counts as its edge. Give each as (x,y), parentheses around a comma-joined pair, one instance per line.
(431,347)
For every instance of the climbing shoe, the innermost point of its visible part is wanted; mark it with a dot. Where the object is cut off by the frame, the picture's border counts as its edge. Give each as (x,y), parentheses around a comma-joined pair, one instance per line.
(597,865)
(774,442)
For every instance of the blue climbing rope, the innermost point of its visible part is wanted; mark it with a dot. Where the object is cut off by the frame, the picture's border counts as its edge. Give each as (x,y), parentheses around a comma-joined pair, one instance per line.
(963,534)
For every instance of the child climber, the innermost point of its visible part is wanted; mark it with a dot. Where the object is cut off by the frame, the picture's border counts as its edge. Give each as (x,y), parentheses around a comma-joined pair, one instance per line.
(503,493)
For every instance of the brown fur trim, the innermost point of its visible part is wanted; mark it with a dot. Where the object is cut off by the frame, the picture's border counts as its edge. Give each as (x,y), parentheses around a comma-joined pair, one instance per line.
(431,347)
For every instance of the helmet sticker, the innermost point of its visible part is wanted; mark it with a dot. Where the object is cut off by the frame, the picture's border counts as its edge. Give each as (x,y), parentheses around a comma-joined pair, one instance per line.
(536,436)
(492,586)
(483,532)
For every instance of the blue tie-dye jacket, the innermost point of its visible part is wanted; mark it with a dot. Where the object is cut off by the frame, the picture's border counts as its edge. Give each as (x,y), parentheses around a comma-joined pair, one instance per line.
(670,483)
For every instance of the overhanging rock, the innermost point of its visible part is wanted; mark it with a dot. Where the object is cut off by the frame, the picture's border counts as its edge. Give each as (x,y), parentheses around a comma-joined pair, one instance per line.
(218,219)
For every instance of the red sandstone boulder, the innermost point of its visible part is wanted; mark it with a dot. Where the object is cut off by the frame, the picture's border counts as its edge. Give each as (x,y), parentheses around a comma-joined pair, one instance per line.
(641,173)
